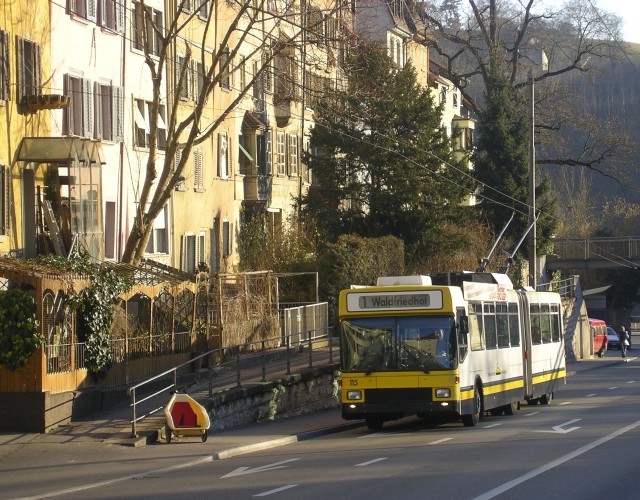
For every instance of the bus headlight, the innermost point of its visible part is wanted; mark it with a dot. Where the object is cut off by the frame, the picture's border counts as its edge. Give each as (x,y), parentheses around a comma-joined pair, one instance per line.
(443,393)
(354,395)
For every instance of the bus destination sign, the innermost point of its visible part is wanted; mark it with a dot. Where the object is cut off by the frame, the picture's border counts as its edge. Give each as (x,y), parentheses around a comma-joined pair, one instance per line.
(369,301)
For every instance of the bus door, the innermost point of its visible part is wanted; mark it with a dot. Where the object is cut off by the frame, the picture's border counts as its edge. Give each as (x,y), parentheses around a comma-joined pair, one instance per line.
(525,332)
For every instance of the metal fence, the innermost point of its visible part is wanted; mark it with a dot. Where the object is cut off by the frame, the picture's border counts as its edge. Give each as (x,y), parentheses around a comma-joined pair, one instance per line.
(231,366)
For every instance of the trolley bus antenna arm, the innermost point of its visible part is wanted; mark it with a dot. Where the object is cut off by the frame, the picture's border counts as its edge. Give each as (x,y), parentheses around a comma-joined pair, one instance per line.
(483,262)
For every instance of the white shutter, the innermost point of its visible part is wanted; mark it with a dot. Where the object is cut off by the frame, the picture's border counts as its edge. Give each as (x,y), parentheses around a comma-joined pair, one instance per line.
(198,181)
(92,11)
(117,114)
(87,108)
(120,16)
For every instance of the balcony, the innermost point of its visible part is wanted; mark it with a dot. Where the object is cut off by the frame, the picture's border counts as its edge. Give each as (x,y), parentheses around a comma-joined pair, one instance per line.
(256,187)
(34,103)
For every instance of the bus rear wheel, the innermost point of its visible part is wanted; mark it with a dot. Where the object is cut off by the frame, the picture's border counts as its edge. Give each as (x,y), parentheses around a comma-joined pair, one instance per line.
(545,399)
(472,419)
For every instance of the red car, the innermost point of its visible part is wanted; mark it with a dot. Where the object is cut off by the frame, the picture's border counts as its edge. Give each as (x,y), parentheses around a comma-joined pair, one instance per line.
(599,335)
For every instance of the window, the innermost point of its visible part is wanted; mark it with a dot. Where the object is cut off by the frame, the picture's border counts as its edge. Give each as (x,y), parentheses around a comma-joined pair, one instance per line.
(476,334)
(180,186)
(443,94)
(223,156)
(490,334)
(78,117)
(142,114)
(147,29)
(226,238)
(83,8)
(202,7)
(225,69)
(514,325)
(194,251)
(197,70)
(109,109)
(185,90)
(111,14)
(5,75)
(198,183)
(159,238)
(189,243)
(315,24)
(28,68)
(293,155)
(245,160)
(455,99)
(281,166)
(286,75)
(5,186)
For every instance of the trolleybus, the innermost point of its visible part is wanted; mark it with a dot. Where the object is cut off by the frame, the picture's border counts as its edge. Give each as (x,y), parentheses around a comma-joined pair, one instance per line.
(449,346)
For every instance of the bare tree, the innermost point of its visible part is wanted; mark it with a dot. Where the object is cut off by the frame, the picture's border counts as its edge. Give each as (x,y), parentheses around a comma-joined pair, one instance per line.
(520,36)
(262,29)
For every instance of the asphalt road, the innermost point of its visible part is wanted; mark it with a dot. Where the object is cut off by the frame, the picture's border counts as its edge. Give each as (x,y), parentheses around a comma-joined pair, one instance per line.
(584,445)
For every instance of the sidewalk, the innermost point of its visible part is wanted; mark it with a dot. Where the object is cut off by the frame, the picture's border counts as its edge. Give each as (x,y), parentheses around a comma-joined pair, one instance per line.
(114,427)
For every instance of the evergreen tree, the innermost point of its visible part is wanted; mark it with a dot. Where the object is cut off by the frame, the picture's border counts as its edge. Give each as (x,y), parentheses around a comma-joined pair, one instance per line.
(382,162)
(502,164)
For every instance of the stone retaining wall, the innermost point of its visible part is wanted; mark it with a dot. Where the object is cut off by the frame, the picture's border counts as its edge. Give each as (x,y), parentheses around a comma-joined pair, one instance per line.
(306,392)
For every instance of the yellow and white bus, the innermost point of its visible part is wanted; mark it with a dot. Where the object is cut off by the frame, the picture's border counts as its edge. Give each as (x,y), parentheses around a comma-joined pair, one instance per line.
(447,346)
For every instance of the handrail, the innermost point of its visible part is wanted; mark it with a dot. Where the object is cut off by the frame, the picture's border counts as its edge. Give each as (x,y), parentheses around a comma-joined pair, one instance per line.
(238,348)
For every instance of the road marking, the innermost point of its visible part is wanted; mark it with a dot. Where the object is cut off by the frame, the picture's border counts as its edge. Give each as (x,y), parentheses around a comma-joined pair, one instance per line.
(612,388)
(564,403)
(383,434)
(277,490)
(558,429)
(364,464)
(490,426)
(439,441)
(532,413)
(554,463)
(631,381)
(241,471)
(590,395)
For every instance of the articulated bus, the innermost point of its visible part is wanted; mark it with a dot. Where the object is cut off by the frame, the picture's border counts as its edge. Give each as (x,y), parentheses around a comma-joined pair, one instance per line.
(447,347)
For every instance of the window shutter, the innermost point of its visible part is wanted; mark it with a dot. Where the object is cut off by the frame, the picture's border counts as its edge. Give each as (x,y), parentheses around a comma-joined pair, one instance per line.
(197,169)
(183,256)
(229,156)
(37,77)
(117,106)
(5,84)
(97,91)
(91,10)
(21,68)
(87,108)
(119,16)
(67,112)
(269,152)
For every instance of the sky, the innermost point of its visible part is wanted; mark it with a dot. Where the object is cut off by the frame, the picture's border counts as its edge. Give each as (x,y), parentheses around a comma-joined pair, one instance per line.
(629,11)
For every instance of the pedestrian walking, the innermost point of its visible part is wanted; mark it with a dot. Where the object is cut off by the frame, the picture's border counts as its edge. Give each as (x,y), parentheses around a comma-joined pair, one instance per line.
(624,341)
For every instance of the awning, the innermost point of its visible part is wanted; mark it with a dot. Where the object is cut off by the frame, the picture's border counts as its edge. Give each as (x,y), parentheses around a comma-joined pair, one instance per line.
(60,149)
(253,122)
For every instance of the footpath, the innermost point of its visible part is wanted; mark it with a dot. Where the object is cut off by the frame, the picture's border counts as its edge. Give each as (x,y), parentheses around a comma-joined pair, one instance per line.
(113,428)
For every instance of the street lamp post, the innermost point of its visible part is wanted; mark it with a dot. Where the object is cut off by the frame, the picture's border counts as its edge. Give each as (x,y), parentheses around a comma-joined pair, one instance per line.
(533,268)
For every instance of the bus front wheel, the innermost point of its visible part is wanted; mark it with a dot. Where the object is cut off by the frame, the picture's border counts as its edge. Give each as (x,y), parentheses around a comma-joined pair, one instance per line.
(472,419)
(374,423)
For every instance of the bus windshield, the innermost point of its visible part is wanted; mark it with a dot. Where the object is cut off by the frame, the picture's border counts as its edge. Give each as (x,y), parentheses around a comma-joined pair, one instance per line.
(398,343)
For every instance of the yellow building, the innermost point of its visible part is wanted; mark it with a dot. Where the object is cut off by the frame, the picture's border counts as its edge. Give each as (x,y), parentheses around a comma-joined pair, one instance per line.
(25,97)
(255,122)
